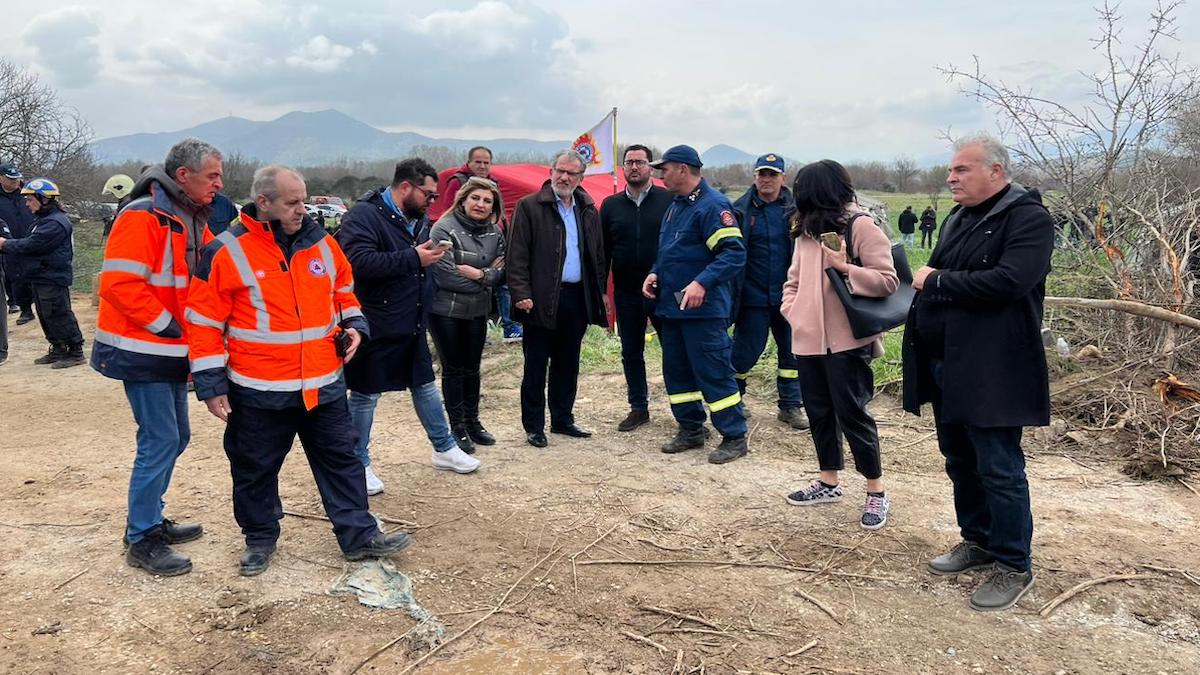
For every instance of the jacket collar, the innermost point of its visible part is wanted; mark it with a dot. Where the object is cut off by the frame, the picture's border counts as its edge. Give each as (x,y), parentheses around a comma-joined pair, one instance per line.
(310,232)
(580,196)
(750,197)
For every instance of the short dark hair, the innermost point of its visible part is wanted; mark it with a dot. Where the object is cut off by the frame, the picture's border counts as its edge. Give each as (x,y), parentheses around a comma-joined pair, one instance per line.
(413,171)
(639,146)
(821,190)
(471,152)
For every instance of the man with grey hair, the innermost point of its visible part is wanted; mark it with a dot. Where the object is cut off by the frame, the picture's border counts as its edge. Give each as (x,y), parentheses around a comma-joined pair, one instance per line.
(149,257)
(272,318)
(556,274)
(972,348)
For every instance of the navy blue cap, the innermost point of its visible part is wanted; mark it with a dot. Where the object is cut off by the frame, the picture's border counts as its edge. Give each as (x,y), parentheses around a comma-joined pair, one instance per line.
(10,171)
(684,154)
(769,161)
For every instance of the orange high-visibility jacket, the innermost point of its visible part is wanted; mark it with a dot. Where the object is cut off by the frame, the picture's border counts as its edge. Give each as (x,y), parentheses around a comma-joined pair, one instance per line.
(143,288)
(262,321)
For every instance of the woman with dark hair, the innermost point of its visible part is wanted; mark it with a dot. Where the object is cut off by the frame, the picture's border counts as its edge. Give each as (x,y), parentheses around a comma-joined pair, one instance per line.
(834,366)
(466,275)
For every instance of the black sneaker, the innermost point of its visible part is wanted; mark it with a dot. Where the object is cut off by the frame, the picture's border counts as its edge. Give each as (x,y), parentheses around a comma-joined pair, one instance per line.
(181,533)
(686,439)
(55,355)
(1002,590)
(73,357)
(381,546)
(25,318)
(478,434)
(462,439)
(255,559)
(633,420)
(964,557)
(153,554)
(731,448)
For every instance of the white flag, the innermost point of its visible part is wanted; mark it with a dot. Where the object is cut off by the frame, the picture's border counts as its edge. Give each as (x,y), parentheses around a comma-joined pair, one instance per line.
(597,146)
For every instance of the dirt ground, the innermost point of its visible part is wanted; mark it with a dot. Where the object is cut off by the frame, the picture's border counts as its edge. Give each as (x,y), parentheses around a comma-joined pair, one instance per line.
(803,576)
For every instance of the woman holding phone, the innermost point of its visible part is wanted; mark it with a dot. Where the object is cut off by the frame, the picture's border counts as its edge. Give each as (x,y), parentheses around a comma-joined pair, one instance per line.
(835,367)
(472,266)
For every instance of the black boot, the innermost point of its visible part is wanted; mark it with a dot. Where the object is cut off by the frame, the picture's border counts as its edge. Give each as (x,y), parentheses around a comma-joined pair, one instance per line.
(26,317)
(153,554)
(73,356)
(462,438)
(255,559)
(731,448)
(56,353)
(686,439)
(180,533)
(478,434)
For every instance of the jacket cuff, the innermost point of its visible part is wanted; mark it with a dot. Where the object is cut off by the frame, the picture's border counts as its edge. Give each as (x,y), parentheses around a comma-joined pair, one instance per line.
(210,383)
(173,330)
(359,324)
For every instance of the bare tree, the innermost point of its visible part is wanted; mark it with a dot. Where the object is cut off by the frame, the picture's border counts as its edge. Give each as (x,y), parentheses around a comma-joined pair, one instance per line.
(43,136)
(871,176)
(932,182)
(904,169)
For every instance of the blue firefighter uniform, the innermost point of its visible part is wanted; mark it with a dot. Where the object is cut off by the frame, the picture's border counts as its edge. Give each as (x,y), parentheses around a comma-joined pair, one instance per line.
(700,241)
(765,228)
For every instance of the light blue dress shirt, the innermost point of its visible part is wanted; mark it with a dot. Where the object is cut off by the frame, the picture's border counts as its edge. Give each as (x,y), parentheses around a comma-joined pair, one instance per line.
(572,272)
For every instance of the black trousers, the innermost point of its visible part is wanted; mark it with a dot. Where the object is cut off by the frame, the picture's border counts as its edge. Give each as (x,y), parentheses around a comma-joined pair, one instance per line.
(256,442)
(633,310)
(54,312)
(3,310)
(926,238)
(557,348)
(460,349)
(837,388)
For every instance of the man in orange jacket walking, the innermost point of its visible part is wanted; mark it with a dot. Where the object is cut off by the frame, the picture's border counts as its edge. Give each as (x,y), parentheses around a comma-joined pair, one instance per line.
(150,254)
(272,317)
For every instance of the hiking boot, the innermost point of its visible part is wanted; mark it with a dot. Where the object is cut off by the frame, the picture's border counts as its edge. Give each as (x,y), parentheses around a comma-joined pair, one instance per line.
(796,418)
(875,511)
(454,460)
(153,554)
(380,546)
(686,439)
(731,448)
(181,533)
(56,353)
(478,434)
(73,357)
(1002,590)
(816,493)
(374,485)
(25,318)
(964,557)
(255,559)
(462,438)
(633,420)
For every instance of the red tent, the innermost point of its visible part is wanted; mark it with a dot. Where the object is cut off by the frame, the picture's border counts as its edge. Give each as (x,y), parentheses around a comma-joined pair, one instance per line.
(519,180)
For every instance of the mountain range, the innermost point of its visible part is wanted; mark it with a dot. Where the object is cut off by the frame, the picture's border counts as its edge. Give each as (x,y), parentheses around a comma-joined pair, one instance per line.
(315,138)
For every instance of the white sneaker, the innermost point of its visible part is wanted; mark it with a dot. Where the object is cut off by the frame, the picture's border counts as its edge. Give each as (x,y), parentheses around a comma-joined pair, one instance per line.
(454,460)
(374,485)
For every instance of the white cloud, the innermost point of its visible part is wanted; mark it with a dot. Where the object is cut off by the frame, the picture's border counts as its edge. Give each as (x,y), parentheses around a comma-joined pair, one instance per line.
(320,54)
(64,43)
(490,27)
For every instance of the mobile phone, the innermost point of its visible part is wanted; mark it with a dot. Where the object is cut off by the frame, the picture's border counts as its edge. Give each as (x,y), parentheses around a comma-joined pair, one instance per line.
(831,240)
(445,244)
(341,343)
(679,298)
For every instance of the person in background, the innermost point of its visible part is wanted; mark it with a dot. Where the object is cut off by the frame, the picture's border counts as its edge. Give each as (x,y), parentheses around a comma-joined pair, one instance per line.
(765,213)
(466,276)
(386,238)
(19,218)
(631,221)
(908,226)
(972,348)
(928,225)
(835,367)
(48,254)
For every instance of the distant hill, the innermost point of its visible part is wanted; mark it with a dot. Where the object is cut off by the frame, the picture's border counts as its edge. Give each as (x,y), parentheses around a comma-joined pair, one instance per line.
(303,138)
(313,138)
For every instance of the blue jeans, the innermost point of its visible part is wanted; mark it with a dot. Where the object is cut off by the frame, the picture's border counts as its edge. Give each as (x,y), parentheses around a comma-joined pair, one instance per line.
(426,402)
(160,410)
(504,309)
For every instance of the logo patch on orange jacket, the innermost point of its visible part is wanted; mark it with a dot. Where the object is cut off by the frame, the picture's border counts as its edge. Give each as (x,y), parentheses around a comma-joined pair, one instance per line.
(316,267)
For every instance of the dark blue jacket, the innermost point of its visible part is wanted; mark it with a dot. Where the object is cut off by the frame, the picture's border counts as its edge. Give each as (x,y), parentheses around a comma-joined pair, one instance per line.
(15,214)
(699,241)
(223,213)
(48,251)
(765,227)
(395,291)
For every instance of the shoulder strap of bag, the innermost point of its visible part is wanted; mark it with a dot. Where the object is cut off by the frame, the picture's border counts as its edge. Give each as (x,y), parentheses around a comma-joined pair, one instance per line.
(854,215)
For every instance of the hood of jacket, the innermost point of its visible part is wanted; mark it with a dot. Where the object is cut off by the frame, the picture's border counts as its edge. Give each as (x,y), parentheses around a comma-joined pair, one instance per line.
(167,195)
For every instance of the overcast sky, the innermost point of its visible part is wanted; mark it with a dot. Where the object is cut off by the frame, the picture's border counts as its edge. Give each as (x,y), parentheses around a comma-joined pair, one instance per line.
(849,80)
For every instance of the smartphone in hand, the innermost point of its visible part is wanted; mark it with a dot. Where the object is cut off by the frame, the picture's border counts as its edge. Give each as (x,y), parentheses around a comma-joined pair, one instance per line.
(831,240)
(445,245)
(341,343)
(679,299)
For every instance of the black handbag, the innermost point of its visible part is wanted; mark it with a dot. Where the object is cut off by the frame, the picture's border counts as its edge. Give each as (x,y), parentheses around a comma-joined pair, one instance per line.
(869,316)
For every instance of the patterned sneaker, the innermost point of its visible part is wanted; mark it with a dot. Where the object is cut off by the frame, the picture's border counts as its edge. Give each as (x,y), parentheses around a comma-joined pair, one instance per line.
(875,512)
(816,493)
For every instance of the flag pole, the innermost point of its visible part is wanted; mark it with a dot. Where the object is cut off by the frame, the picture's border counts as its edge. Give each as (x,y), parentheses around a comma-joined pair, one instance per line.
(614,150)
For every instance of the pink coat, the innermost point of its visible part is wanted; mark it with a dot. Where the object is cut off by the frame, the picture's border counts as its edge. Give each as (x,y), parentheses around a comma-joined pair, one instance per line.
(818,320)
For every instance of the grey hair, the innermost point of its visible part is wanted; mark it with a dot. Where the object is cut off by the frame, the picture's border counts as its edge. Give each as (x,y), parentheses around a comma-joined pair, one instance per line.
(569,154)
(189,152)
(994,151)
(265,178)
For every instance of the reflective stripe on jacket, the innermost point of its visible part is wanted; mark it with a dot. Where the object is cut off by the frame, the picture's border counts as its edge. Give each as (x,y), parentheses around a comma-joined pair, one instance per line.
(140,335)
(275,305)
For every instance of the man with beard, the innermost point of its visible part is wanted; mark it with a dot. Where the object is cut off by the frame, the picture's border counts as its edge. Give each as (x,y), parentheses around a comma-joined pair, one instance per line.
(631,221)
(386,238)
(556,273)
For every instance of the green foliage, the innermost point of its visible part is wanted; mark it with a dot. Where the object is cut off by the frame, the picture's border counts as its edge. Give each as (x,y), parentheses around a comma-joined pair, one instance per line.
(89,253)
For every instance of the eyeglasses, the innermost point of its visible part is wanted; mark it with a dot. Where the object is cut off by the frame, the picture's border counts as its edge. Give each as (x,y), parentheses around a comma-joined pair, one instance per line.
(631,163)
(429,194)
(563,172)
